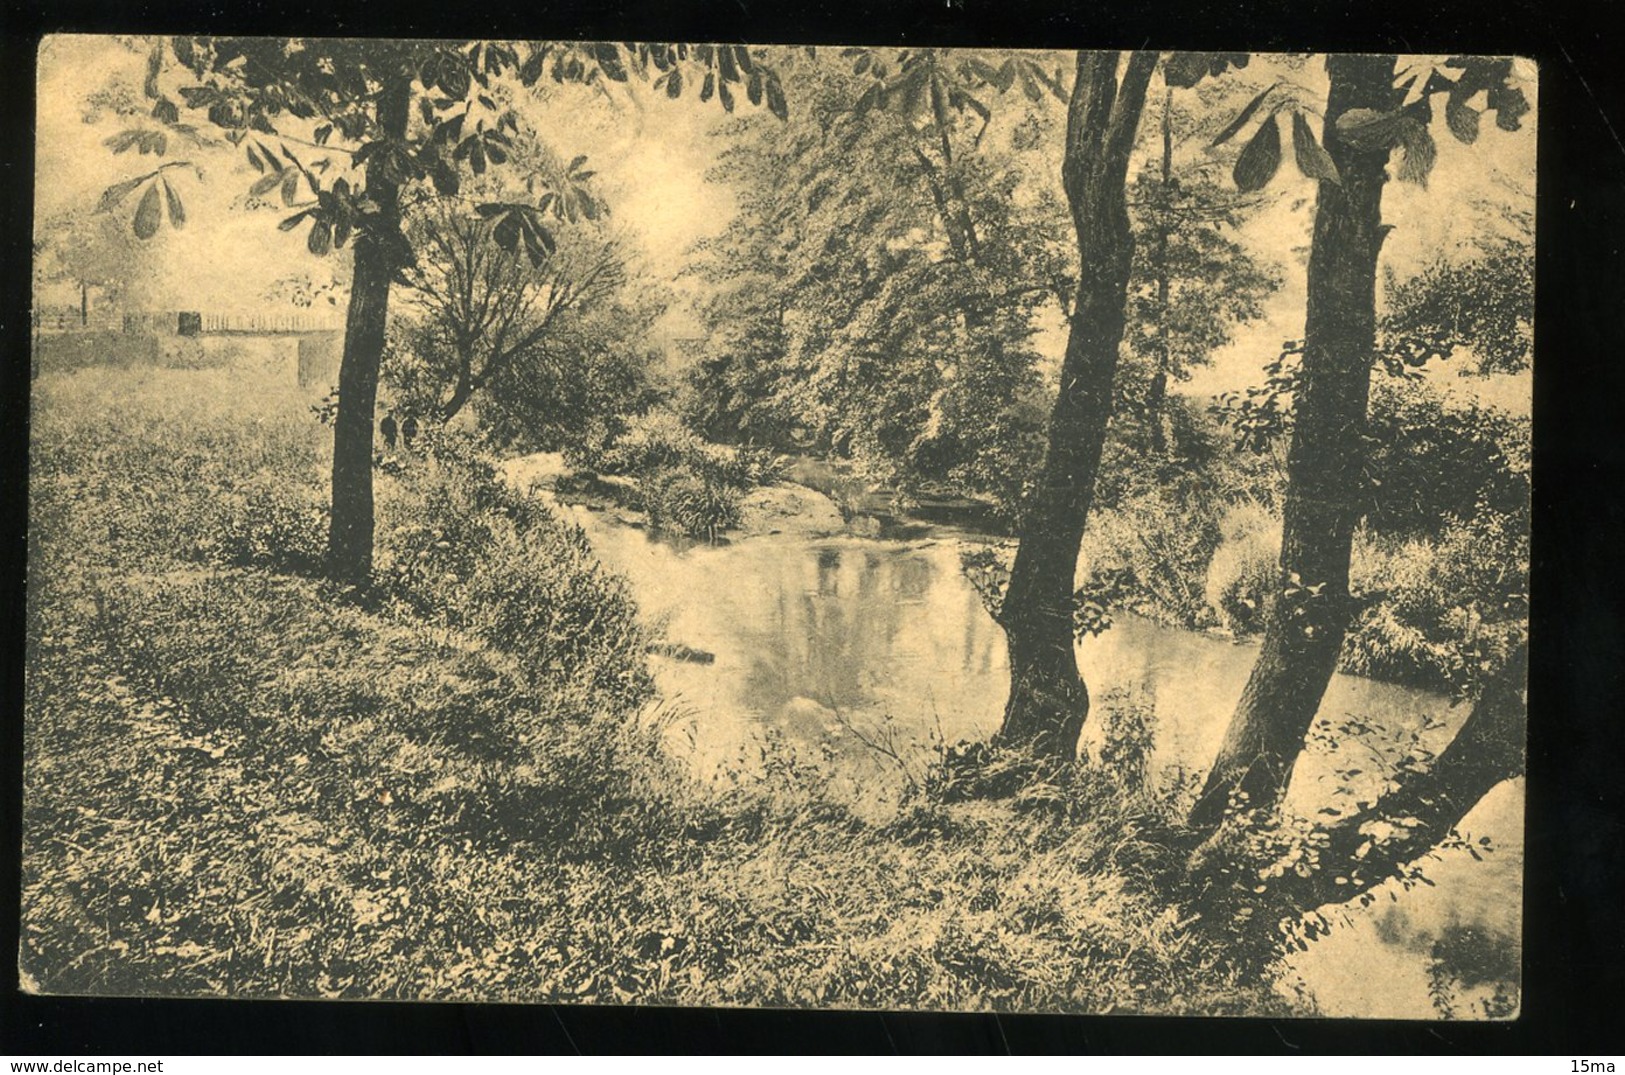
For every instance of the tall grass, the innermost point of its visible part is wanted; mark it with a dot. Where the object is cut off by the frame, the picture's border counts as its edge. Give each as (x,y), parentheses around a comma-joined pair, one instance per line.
(240,781)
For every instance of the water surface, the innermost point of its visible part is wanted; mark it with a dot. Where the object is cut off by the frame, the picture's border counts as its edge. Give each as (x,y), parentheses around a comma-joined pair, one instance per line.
(871,652)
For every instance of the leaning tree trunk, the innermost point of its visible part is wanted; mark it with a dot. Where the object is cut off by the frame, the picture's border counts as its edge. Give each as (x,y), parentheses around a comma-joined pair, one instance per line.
(461,392)
(1366,849)
(349,536)
(1309,612)
(1048,700)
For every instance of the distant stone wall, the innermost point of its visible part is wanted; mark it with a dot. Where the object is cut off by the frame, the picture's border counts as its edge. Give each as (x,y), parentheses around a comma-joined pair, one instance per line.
(307,361)
(57,353)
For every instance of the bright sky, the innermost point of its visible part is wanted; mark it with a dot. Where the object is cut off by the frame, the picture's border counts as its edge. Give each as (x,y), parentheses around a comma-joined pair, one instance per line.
(652,155)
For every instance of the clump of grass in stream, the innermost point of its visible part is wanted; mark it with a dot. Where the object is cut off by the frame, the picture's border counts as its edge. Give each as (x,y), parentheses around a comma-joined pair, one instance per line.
(239,781)
(686,485)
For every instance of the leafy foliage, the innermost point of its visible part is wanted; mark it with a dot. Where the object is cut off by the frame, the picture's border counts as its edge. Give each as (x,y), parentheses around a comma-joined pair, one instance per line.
(1193,281)
(1482,303)
(881,313)
(487,311)
(1434,458)
(324,92)
(686,485)
(1447,612)
(1416,437)
(97,253)
(1405,126)
(1260,158)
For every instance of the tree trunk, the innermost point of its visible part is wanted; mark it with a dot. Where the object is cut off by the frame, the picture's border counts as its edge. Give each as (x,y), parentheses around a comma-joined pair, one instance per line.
(1157,397)
(461,392)
(1306,620)
(1048,701)
(1156,405)
(1367,849)
(84,304)
(967,227)
(349,537)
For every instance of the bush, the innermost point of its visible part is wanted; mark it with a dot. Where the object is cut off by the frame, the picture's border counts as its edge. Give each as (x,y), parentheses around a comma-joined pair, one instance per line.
(265,521)
(1441,614)
(685,484)
(648,443)
(698,505)
(1435,459)
(1245,567)
(459,546)
(1160,543)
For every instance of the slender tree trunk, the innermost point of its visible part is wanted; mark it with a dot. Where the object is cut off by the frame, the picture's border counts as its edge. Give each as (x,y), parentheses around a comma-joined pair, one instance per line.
(1048,701)
(84,304)
(967,226)
(1157,397)
(349,537)
(1306,621)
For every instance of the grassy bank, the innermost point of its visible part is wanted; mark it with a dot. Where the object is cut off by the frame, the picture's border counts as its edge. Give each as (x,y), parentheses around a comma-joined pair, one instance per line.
(239,780)
(1440,565)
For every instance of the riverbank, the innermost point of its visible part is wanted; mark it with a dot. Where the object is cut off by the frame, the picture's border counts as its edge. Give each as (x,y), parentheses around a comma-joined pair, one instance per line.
(241,781)
(875,655)
(1429,611)
(814,499)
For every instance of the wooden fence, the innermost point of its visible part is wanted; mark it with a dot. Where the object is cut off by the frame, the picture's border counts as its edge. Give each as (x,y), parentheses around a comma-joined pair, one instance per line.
(54,320)
(268,324)
(68,319)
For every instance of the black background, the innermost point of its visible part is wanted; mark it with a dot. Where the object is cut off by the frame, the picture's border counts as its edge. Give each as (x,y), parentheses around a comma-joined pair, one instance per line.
(1573,1001)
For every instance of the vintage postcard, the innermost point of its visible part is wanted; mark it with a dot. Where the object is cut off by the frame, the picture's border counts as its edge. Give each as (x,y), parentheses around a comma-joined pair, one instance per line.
(687,524)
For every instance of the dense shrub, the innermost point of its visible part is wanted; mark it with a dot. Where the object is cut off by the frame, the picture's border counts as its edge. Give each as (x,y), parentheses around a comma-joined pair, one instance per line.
(685,484)
(1161,544)
(460,547)
(1245,567)
(690,503)
(1200,462)
(1197,537)
(1435,458)
(269,522)
(1441,613)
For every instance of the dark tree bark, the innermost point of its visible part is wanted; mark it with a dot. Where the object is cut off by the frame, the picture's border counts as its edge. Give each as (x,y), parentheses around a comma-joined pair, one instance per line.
(461,392)
(970,246)
(1369,848)
(1157,397)
(349,537)
(1306,620)
(1048,701)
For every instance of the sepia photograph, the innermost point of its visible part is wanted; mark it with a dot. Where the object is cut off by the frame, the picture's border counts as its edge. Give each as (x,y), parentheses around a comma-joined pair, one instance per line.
(897,528)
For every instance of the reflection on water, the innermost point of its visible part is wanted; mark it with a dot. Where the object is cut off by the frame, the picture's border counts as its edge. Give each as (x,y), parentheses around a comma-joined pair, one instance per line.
(864,650)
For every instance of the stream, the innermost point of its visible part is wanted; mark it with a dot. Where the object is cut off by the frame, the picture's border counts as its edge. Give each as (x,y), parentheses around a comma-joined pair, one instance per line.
(868,653)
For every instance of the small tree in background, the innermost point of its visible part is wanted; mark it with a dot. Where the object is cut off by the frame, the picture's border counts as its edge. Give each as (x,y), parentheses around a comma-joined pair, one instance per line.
(384,117)
(96,254)
(1192,280)
(478,309)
